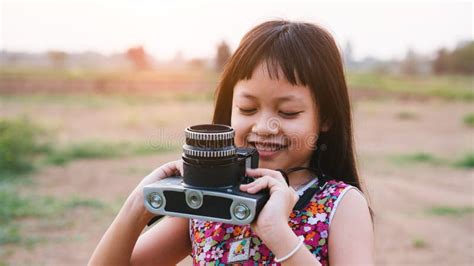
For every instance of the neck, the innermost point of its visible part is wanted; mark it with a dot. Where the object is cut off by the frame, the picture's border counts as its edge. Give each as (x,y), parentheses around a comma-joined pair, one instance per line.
(299,178)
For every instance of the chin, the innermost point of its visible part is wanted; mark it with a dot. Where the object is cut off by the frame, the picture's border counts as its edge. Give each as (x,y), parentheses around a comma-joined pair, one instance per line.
(269,164)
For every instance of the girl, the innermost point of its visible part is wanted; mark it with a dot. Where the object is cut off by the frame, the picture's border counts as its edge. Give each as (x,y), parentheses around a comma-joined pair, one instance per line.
(284,93)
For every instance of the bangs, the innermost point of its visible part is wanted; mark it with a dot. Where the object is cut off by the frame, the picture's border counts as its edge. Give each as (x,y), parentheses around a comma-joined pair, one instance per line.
(283,51)
(303,54)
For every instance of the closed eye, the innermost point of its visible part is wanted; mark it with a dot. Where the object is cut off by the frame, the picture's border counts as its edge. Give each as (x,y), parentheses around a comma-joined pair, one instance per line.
(290,114)
(247,111)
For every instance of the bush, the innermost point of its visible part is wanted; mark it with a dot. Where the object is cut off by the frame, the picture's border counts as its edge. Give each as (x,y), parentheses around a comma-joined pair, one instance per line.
(20,141)
(469,119)
(467,161)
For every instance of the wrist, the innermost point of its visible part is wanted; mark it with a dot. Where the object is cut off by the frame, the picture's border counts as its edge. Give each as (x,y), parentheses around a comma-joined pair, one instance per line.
(280,239)
(292,252)
(134,207)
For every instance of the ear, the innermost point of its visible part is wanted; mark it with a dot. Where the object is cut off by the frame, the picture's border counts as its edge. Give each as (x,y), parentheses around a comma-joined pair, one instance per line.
(325,125)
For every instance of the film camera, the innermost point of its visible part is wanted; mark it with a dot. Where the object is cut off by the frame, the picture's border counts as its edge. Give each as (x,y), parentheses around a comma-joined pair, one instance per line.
(213,169)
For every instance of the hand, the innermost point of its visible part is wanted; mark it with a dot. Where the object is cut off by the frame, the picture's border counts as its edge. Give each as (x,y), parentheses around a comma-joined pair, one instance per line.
(119,242)
(282,199)
(169,169)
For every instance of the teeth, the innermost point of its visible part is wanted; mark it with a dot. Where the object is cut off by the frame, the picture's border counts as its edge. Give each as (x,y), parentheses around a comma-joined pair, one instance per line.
(265,147)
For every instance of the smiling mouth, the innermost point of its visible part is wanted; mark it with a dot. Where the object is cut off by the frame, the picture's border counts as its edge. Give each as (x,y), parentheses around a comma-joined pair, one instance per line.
(267,146)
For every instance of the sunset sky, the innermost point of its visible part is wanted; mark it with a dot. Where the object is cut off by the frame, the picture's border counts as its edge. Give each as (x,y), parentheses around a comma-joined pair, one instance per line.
(381,29)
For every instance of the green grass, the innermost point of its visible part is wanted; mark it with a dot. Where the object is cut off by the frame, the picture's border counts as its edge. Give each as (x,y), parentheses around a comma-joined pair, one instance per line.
(419,157)
(445,87)
(21,141)
(450,210)
(25,146)
(97,149)
(84,150)
(99,101)
(9,234)
(17,205)
(13,206)
(467,161)
(419,243)
(406,115)
(469,120)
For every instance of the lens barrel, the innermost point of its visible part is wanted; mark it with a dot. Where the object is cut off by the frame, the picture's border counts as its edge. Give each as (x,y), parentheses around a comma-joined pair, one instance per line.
(209,156)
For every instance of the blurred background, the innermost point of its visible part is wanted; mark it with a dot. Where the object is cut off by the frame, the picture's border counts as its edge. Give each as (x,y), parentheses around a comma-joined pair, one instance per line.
(96,94)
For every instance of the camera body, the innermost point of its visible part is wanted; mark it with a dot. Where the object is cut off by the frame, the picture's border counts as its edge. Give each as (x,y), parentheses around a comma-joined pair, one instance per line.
(213,170)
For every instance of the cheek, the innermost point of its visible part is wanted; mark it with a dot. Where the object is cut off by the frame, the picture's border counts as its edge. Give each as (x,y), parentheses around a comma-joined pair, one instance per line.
(239,126)
(302,134)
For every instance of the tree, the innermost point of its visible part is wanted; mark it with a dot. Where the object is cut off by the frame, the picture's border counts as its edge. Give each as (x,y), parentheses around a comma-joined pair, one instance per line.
(440,64)
(462,58)
(138,57)
(223,54)
(57,58)
(410,65)
(458,61)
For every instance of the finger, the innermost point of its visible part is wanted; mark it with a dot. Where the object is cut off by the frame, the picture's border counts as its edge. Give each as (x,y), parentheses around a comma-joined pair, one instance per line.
(255,186)
(245,187)
(296,197)
(179,167)
(257,172)
(163,171)
(168,169)
(251,184)
(262,183)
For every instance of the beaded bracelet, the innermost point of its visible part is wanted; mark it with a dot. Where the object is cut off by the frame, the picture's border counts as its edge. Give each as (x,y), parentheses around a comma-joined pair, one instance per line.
(291,252)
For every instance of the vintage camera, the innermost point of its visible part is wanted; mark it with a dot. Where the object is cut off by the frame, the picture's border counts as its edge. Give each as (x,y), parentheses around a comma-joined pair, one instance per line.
(213,169)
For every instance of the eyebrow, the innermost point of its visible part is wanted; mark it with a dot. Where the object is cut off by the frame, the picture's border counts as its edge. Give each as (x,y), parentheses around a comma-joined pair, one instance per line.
(279,99)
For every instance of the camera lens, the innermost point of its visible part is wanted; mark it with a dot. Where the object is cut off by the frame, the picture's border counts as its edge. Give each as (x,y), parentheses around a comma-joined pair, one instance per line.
(209,141)
(209,155)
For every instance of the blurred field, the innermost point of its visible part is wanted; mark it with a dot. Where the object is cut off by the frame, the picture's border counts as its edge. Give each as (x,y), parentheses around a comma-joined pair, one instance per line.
(87,144)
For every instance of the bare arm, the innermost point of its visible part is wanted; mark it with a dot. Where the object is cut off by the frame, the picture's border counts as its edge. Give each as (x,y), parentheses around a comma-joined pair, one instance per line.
(351,238)
(167,243)
(272,222)
(116,246)
(118,243)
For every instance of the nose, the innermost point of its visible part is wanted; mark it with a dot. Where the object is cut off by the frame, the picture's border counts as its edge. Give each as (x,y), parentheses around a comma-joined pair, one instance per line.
(266,125)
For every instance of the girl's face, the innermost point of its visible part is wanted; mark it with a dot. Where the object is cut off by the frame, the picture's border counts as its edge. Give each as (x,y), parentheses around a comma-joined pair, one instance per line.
(280,120)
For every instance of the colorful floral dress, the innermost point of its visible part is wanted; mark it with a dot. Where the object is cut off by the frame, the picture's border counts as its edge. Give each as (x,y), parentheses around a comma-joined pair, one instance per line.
(216,243)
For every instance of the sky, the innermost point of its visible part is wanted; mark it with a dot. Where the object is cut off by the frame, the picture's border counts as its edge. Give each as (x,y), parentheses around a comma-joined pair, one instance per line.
(382,29)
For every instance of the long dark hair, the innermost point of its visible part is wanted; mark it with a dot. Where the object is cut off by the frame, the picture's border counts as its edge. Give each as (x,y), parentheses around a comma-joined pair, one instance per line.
(308,56)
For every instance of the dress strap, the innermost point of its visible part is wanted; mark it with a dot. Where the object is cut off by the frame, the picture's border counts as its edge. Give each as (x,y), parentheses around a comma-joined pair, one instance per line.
(310,191)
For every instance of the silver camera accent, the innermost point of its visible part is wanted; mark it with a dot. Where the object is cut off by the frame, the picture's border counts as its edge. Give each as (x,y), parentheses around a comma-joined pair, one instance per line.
(155,200)
(193,198)
(241,211)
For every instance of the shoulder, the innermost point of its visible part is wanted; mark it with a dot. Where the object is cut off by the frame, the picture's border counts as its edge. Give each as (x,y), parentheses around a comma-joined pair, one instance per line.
(351,238)
(336,194)
(351,202)
(344,201)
